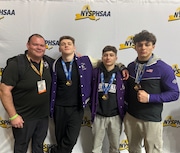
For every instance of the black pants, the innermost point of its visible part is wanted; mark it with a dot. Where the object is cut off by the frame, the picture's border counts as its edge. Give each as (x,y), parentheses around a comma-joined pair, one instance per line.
(35,130)
(67,126)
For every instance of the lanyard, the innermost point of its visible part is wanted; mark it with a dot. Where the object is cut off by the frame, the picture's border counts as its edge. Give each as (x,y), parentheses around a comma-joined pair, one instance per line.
(67,73)
(139,70)
(107,88)
(40,72)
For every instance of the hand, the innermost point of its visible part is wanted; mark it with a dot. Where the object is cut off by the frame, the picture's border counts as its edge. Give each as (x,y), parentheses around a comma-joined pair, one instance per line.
(17,122)
(142,96)
(125,74)
(78,54)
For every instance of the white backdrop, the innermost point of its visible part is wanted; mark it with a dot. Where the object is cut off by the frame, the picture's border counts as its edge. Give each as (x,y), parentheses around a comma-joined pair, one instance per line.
(114,23)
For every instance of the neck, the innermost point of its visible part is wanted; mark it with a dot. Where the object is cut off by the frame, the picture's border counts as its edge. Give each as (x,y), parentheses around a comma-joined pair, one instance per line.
(143,59)
(109,68)
(67,58)
(34,59)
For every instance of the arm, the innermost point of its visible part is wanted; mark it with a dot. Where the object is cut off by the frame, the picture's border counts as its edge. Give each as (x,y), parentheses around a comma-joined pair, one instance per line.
(94,61)
(170,90)
(124,71)
(7,101)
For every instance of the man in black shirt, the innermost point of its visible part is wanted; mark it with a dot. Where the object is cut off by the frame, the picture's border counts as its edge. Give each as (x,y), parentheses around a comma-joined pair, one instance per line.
(26,98)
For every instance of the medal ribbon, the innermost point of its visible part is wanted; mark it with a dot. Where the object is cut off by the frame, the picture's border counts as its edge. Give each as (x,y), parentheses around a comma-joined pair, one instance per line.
(106,89)
(139,70)
(40,72)
(67,73)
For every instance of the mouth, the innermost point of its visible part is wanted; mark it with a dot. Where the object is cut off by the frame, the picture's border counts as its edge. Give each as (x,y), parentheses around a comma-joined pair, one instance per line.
(142,53)
(39,51)
(108,62)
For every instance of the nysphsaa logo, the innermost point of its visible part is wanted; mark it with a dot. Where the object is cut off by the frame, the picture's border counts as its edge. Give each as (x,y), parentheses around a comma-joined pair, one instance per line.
(128,43)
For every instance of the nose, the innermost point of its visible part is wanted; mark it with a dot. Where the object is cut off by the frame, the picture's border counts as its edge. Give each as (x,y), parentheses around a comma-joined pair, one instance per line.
(39,46)
(108,56)
(143,46)
(65,45)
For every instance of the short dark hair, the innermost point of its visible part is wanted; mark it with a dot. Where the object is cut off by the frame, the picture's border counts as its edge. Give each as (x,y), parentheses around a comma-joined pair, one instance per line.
(144,36)
(36,35)
(66,37)
(109,48)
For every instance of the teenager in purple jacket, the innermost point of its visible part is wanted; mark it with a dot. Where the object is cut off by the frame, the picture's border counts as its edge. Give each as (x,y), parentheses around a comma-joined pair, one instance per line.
(71,81)
(107,102)
(151,83)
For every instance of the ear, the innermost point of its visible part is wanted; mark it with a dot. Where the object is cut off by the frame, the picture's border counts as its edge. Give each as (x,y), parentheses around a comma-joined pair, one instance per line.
(135,47)
(74,49)
(59,50)
(27,45)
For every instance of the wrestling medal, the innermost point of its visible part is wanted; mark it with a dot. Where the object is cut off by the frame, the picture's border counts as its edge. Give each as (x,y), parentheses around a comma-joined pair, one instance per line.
(68,72)
(69,83)
(106,88)
(137,87)
(105,97)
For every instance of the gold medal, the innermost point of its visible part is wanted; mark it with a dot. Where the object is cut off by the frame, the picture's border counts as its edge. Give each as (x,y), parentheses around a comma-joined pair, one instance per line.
(137,87)
(105,97)
(69,83)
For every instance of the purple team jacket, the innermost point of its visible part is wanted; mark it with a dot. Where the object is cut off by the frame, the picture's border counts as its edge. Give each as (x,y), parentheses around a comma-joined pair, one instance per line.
(120,92)
(85,74)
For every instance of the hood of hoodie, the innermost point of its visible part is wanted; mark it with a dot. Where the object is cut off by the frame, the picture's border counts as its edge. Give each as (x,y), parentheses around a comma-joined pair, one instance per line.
(107,73)
(151,61)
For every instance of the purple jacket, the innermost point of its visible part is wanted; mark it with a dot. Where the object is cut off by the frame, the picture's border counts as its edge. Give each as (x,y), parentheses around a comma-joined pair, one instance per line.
(159,81)
(85,74)
(120,89)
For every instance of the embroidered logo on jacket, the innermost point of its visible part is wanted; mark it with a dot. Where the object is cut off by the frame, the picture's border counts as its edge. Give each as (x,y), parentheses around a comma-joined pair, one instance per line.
(83,66)
(149,70)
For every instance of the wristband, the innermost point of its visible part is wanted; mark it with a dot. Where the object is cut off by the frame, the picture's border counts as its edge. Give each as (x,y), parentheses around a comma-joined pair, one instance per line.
(12,118)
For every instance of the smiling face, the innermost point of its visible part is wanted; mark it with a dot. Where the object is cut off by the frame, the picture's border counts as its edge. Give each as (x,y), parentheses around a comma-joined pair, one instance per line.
(36,47)
(144,50)
(66,46)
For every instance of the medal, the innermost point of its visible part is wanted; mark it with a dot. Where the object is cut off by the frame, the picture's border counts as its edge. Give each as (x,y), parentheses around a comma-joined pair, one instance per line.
(69,83)
(139,70)
(106,88)
(105,97)
(67,72)
(137,87)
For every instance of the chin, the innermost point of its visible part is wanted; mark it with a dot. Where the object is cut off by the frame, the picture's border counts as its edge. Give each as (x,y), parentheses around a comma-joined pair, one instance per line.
(110,64)
(40,54)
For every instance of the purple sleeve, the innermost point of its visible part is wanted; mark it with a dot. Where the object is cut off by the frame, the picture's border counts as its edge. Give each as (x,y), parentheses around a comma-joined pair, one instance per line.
(170,90)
